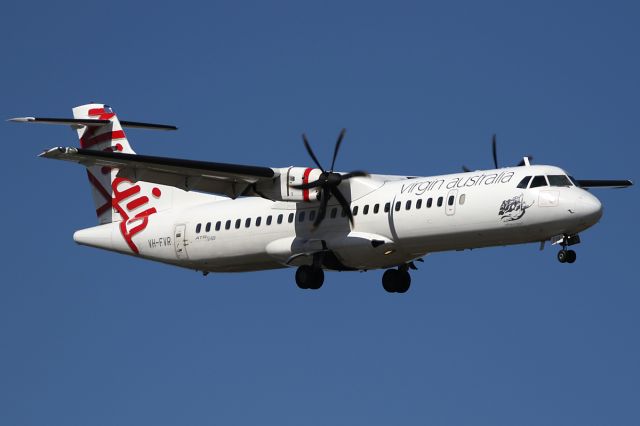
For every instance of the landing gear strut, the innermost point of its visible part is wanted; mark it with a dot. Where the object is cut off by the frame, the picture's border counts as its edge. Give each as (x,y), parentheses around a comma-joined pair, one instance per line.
(396,280)
(309,277)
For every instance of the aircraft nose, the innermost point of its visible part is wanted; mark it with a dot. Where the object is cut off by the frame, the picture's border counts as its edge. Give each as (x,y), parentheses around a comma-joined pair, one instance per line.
(589,207)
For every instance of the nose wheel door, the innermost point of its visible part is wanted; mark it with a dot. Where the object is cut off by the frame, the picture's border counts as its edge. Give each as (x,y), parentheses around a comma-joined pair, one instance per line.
(180,238)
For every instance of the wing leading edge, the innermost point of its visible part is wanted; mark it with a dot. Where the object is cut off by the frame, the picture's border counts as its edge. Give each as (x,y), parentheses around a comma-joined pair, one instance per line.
(231,180)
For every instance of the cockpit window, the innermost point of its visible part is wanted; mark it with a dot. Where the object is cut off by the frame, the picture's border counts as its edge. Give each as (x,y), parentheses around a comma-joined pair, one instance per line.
(524,182)
(538,181)
(558,180)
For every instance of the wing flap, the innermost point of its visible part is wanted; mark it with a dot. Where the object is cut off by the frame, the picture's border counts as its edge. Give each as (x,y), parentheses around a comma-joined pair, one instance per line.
(231,180)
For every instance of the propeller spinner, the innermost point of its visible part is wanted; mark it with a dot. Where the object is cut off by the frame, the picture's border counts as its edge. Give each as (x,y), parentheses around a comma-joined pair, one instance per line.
(329,181)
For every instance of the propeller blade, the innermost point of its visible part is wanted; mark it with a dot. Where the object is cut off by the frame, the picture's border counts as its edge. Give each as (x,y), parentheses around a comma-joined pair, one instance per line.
(337,148)
(343,202)
(310,151)
(309,185)
(323,208)
(356,173)
(494,149)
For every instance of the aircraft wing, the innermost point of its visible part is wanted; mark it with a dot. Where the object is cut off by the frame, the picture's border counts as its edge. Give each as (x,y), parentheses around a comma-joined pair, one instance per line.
(231,180)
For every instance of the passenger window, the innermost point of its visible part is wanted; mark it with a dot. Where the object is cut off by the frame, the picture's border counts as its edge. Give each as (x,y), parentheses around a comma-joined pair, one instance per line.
(198,227)
(365,210)
(355,210)
(312,215)
(419,203)
(218,223)
(334,212)
(451,200)
(269,220)
(343,213)
(429,203)
(247,223)
(462,199)
(258,221)
(238,222)
(300,216)
(558,180)
(279,219)
(538,181)
(208,227)
(376,209)
(387,207)
(524,182)
(227,225)
(398,206)
(408,205)
(290,218)
(439,201)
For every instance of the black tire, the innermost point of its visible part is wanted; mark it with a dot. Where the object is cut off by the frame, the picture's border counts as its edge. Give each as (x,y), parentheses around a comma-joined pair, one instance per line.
(404,281)
(390,280)
(562,256)
(304,276)
(571,256)
(318,279)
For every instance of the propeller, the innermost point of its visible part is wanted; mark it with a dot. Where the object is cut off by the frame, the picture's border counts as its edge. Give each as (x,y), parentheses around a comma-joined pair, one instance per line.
(494,151)
(329,181)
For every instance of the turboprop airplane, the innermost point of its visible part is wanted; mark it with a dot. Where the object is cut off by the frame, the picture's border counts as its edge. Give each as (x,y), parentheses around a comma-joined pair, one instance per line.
(216,217)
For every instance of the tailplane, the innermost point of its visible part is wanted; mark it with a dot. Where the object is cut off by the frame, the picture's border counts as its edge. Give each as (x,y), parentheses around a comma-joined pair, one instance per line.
(116,199)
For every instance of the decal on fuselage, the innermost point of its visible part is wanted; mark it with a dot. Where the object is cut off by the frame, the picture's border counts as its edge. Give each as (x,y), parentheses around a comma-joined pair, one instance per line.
(422,186)
(513,208)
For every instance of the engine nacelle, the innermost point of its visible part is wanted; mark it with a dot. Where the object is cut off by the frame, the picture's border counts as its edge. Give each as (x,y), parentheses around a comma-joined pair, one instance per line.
(298,176)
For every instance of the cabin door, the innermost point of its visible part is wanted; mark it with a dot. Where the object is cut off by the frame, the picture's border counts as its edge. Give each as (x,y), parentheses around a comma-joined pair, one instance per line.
(180,239)
(450,202)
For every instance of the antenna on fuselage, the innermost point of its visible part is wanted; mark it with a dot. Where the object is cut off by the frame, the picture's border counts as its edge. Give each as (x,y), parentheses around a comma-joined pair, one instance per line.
(494,152)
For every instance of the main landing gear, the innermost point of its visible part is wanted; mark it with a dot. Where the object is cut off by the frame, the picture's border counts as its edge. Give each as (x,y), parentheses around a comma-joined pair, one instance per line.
(564,255)
(309,277)
(396,280)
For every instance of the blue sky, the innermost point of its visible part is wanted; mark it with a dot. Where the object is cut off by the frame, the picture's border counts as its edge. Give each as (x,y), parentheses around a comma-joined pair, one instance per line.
(497,336)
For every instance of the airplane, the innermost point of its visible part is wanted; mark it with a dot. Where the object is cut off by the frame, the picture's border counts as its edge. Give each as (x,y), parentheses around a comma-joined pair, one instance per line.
(218,217)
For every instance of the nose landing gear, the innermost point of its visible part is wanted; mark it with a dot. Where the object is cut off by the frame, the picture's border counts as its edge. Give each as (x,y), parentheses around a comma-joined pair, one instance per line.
(564,255)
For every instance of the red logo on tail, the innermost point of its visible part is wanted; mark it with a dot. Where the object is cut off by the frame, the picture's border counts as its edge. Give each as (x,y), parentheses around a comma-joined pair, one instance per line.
(130,226)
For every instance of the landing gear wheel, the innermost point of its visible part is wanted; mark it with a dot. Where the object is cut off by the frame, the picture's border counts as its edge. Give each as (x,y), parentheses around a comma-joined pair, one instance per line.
(389,279)
(562,256)
(404,283)
(566,256)
(308,277)
(396,281)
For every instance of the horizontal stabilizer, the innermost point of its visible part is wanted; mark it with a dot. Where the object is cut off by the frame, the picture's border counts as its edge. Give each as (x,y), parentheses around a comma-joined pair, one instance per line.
(594,183)
(91,122)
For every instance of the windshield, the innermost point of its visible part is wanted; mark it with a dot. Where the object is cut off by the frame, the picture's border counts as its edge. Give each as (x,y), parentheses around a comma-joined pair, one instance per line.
(559,180)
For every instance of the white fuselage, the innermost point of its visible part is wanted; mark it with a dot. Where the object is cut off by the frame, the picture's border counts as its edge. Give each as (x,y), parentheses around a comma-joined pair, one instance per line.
(423,215)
